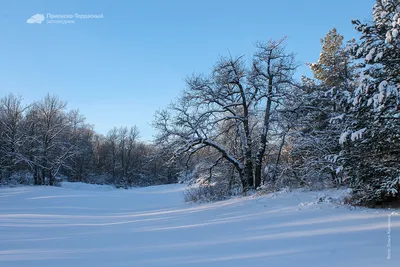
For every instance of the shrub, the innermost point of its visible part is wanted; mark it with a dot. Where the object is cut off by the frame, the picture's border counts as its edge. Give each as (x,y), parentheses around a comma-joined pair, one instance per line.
(208,193)
(18,178)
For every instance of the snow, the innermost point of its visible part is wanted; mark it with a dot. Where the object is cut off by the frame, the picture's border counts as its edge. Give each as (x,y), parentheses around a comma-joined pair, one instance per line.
(381,97)
(370,54)
(379,56)
(343,137)
(360,51)
(395,32)
(228,155)
(355,101)
(357,134)
(389,90)
(337,118)
(87,225)
(382,86)
(339,169)
(388,37)
(84,186)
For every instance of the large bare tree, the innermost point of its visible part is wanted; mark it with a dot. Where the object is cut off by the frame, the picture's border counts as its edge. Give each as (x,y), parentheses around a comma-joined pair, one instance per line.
(230,110)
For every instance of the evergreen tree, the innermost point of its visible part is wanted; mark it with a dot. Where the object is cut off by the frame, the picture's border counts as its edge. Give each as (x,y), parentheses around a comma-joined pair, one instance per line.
(371,144)
(333,68)
(315,145)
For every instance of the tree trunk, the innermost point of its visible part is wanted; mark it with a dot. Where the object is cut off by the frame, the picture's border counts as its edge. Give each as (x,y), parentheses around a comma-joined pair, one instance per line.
(43,176)
(249,172)
(248,162)
(36,175)
(51,179)
(278,157)
(257,175)
(244,179)
(264,134)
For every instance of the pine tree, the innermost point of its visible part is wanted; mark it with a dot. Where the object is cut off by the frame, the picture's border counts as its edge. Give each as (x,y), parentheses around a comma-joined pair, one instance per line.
(315,144)
(371,142)
(333,68)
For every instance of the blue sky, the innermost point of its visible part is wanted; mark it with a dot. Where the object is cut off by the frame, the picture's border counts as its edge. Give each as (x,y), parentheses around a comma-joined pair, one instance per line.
(120,69)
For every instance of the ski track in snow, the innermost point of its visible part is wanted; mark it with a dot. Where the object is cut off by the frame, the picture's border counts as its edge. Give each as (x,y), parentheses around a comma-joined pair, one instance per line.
(87,225)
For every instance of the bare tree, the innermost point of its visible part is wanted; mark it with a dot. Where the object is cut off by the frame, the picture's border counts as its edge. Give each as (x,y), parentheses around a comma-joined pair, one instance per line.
(12,138)
(51,137)
(53,142)
(272,79)
(222,111)
(112,140)
(195,121)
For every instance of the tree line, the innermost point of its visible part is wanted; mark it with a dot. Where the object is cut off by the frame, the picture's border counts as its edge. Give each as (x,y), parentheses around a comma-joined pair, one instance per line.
(47,141)
(249,124)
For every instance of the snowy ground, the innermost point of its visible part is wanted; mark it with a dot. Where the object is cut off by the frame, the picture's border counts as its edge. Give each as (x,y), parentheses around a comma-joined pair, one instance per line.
(83,225)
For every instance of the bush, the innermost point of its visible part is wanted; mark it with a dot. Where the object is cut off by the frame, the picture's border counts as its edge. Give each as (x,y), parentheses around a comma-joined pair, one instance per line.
(18,178)
(371,197)
(208,193)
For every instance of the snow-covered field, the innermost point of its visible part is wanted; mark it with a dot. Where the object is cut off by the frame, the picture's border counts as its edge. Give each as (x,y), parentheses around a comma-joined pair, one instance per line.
(84,225)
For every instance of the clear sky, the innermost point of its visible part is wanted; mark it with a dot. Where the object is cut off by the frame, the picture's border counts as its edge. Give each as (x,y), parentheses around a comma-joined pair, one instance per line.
(120,69)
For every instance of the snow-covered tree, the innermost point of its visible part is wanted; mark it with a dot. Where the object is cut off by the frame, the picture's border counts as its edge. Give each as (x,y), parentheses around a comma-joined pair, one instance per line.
(371,142)
(230,111)
(52,140)
(318,127)
(273,71)
(12,136)
(333,68)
